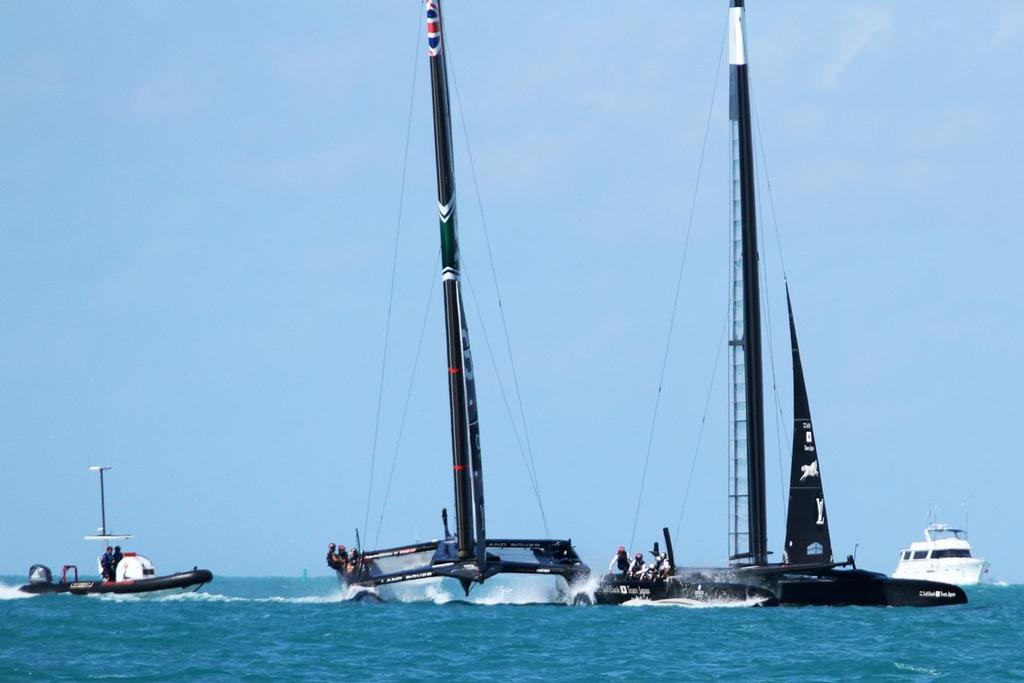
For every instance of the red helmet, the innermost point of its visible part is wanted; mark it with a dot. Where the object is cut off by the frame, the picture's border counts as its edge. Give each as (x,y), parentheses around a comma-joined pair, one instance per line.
(639,556)
(622,549)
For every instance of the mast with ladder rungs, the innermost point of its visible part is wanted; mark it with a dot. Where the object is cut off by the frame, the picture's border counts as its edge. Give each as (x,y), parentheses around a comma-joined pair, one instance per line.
(748,535)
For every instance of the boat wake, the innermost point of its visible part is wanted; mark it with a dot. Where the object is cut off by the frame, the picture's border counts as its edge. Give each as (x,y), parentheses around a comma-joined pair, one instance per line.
(200,597)
(492,593)
(694,604)
(12,593)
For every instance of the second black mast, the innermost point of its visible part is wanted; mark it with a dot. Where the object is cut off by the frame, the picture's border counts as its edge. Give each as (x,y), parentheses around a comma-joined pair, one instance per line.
(466,461)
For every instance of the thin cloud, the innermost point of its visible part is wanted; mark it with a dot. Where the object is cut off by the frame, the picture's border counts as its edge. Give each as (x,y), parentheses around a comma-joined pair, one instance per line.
(865,26)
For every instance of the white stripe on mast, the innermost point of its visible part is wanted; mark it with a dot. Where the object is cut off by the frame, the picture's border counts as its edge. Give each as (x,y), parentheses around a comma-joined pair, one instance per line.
(737,46)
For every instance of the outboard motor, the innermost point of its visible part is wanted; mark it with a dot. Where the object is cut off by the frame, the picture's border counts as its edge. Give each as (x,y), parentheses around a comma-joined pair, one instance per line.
(39,574)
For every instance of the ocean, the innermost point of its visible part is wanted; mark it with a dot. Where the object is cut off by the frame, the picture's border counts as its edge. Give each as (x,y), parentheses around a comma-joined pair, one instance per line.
(290,629)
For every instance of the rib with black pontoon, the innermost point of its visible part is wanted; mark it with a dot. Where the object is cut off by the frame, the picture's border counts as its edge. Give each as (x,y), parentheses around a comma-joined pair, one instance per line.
(134,573)
(468,556)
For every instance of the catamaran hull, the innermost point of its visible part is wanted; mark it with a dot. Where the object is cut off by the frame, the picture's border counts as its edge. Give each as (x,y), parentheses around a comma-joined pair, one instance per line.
(877,592)
(438,559)
(835,587)
(616,590)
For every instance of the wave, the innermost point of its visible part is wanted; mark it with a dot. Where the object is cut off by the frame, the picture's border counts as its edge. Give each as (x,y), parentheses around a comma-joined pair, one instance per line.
(12,593)
(523,592)
(693,604)
(218,597)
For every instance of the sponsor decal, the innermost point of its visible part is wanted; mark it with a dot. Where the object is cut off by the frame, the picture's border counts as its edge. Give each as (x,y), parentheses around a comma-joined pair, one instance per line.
(821,511)
(936,594)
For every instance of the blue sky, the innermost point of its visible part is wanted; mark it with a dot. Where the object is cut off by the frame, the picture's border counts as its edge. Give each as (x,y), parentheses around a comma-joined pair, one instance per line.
(197,217)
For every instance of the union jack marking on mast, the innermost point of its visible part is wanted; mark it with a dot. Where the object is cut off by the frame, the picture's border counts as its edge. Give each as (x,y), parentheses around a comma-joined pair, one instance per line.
(433,29)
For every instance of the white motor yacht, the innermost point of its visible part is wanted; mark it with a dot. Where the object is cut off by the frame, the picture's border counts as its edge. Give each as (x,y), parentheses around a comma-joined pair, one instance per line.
(944,555)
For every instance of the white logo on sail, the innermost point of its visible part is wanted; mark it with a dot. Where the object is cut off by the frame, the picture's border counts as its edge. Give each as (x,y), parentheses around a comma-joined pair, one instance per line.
(809,471)
(821,511)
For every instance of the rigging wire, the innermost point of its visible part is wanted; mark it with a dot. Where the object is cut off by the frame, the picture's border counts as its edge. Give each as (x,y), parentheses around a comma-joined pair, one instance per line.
(408,395)
(504,397)
(779,416)
(528,458)
(679,286)
(394,272)
(703,420)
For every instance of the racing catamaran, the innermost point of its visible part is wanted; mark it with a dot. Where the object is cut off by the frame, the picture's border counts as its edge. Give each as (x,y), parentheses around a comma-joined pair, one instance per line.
(468,555)
(808,574)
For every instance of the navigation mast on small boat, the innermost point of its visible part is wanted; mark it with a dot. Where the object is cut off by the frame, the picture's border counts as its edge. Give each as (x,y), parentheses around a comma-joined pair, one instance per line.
(468,555)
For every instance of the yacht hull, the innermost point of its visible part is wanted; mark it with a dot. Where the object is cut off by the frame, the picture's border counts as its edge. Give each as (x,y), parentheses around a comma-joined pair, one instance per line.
(857,587)
(616,590)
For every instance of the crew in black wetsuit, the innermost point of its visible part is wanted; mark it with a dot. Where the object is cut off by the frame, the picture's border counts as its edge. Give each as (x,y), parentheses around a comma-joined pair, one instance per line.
(342,556)
(114,561)
(620,562)
(105,561)
(355,563)
(332,557)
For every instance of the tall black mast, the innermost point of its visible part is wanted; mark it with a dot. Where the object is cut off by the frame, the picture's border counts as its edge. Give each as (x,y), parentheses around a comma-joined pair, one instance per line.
(466,462)
(739,113)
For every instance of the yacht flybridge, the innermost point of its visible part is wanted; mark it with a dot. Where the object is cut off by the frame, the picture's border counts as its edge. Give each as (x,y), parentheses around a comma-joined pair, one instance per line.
(468,555)
(944,555)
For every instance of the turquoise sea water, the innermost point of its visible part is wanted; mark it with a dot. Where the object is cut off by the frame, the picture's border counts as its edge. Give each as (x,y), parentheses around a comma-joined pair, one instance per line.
(286,629)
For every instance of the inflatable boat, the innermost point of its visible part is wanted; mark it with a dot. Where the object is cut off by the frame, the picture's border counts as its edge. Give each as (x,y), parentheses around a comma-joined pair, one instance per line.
(132,573)
(135,574)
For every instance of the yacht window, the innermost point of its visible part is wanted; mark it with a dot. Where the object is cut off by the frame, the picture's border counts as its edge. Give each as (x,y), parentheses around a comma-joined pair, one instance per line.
(906,554)
(957,552)
(920,554)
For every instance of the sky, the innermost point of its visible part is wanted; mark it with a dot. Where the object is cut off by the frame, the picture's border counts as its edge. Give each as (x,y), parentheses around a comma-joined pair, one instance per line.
(199,208)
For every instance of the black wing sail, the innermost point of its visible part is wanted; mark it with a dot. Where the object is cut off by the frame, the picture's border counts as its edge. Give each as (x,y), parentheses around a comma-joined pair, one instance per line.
(807,537)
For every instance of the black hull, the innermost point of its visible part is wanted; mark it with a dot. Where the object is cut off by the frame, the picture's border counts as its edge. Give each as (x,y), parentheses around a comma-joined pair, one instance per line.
(616,590)
(832,586)
(195,578)
(438,559)
(856,587)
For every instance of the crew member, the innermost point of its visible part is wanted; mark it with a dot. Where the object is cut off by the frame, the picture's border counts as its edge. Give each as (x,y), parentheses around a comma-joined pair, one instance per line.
(620,562)
(636,569)
(354,561)
(114,561)
(342,556)
(105,562)
(332,558)
(664,567)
